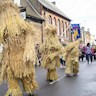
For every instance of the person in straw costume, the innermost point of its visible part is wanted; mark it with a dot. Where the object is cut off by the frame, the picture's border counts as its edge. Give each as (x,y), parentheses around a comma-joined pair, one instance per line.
(51,50)
(72,58)
(18,60)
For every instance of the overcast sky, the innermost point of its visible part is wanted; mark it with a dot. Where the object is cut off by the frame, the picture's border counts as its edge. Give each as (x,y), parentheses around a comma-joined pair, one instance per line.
(80,11)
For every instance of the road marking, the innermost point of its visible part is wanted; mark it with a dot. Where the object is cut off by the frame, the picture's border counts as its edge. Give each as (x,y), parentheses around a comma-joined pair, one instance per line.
(62,78)
(57,80)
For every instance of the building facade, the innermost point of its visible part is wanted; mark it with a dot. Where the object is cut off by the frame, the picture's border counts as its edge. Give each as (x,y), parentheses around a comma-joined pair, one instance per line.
(52,15)
(92,39)
(30,15)
(83,36)
(88,36)
(44,10)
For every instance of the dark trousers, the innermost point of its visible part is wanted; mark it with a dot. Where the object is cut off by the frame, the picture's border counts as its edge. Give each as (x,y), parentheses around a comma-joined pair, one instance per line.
(62,62)
(89,58)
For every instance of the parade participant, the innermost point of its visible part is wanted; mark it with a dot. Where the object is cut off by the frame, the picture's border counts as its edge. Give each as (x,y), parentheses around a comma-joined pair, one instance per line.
(18,59)
(72,58)
(50,50)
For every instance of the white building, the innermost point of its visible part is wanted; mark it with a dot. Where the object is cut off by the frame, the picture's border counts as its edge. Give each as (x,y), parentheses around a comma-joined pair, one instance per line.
(92,39)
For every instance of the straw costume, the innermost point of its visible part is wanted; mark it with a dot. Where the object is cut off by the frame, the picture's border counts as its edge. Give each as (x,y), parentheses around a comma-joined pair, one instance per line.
(51,49)
(72,58)
(18,59)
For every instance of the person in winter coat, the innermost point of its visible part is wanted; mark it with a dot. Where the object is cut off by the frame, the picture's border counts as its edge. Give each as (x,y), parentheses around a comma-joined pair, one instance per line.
(88,53)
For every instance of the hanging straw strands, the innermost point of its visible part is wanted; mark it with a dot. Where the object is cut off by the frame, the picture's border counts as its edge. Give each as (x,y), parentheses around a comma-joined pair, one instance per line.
(18,39)
(50,49)
(11,20)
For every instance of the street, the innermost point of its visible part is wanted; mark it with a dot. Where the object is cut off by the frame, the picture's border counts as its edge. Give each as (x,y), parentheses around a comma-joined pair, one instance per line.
(48,32)
(82,85)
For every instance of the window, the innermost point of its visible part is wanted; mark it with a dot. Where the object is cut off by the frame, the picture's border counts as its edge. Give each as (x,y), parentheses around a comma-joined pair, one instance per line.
(54,21)
(66,30)
(50,20)
(58,27)
(23,15)
(63,28)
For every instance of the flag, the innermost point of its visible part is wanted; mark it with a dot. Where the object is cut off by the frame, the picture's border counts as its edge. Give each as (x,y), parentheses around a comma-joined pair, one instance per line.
(76,30)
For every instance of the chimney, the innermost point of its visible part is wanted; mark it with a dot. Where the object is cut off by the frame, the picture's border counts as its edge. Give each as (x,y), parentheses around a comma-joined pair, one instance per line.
(54,2)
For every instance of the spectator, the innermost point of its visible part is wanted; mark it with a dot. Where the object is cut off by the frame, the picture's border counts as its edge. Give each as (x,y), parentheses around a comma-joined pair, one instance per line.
(38,57)
(88,53)
(62,61)
(82,54)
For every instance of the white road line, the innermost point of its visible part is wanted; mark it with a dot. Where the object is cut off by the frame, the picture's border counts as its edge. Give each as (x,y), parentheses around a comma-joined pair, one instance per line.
(57,80)
(61,78)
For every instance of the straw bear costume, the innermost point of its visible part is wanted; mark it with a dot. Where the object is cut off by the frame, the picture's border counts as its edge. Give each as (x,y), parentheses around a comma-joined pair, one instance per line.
(72,57)
(50,52)
(18,61)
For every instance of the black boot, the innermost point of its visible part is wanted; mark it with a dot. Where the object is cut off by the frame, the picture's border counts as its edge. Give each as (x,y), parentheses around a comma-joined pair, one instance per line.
(32,94)
(68,75)
(75,75)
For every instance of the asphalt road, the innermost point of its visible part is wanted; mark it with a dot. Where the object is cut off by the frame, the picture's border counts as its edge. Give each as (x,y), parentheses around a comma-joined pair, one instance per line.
(82,85)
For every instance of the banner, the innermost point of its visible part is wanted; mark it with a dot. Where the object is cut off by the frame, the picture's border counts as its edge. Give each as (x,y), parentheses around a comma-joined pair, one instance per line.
(76,30)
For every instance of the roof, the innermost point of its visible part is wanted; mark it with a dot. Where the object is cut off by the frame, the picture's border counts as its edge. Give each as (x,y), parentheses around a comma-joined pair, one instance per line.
(30,10)
(47,4)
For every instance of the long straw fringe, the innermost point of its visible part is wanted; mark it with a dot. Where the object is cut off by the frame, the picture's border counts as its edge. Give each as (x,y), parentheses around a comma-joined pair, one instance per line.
(19,45)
